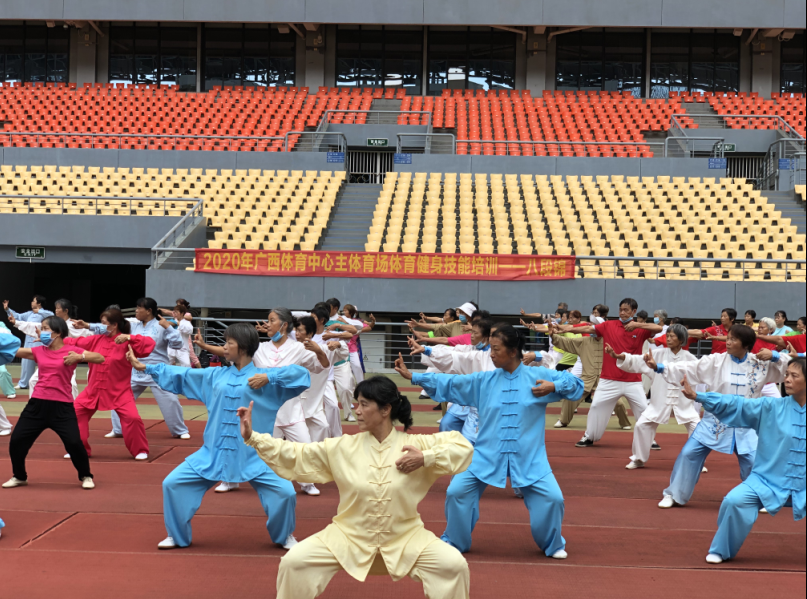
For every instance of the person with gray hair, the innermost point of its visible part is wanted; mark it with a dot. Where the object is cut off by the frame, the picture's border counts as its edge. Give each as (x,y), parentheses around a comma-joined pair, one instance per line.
(665,398)
(660,317)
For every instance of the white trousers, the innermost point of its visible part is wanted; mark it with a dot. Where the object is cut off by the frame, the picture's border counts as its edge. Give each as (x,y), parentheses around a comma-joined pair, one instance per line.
(179,357)
(343,379)
(604,401)
(296,433)
(318,427)
(35,379)
(5,425)
(355,366)
(643,435)
(331,405)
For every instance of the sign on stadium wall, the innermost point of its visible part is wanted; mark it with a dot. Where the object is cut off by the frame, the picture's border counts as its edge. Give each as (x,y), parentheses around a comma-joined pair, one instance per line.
(500,267)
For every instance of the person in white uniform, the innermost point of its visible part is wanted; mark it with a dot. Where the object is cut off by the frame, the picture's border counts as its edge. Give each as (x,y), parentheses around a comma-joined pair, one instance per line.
(181,356)
(665,398)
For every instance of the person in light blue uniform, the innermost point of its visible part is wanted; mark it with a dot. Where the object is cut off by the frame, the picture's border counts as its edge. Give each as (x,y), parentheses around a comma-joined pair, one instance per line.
(512,404)
(36,314)
(9,345)
(778,477)
(223,456)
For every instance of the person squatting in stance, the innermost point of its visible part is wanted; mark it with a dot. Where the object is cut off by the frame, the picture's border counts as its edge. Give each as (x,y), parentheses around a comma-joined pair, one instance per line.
(777,479)
(511,401)
(223,456)
(382,475)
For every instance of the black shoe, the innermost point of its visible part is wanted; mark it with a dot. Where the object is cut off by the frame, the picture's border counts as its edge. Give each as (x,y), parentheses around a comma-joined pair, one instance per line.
(584,442)
(655,446)
(437,408)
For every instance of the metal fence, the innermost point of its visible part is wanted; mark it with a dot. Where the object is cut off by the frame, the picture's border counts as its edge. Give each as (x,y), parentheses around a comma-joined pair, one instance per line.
(141,141)
(426,143)
(688,269)
(789,149)
(315,141)
(375,117)
(97,205)
(718,121)
(690,147)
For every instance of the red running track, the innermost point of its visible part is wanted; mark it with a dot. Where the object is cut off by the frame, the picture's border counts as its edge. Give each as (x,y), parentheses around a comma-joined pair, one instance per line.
(62,541)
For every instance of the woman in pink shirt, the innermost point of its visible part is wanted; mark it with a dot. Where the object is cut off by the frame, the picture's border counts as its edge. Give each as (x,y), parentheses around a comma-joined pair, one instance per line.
(52,408)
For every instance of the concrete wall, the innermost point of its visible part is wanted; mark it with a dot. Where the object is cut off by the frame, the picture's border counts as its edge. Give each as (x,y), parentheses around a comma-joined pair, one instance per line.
(693,299)
(614,13)
(747,140)
(357,135)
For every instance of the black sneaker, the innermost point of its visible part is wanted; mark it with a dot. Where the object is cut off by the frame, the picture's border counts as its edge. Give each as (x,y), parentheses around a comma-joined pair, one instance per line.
(437,408)
(655,446)
(584,442)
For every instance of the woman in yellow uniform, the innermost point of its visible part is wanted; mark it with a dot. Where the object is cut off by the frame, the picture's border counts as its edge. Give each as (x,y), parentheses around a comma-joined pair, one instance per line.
(382,475)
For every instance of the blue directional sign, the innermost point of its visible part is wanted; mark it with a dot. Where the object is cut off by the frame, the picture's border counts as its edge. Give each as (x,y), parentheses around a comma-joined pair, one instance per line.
(403,158)
(718,163)
(336,157)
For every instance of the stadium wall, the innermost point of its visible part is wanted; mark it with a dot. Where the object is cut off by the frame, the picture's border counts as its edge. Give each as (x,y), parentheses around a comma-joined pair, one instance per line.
(694,299)
(614,13)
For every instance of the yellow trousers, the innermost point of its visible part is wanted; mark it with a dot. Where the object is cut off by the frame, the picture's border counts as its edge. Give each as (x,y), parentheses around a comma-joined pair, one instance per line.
(307,569)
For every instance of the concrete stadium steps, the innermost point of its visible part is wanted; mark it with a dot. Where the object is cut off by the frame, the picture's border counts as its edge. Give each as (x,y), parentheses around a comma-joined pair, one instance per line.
(351,219)
(790,206)
(384,104)
(698,109)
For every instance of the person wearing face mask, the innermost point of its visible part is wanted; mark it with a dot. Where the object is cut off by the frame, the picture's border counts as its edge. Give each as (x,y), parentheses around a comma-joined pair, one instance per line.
(660,318)
(512,402)
(666,398)
(278,352)
(736,372)
(223,456)
(451,329)
(36,314)
(625,336)
(52,407)
(109,385)
(181,357)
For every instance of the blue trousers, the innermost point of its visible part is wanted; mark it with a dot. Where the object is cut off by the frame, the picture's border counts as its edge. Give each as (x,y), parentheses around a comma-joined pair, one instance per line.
(27,370)
(688,468)
(451,422)
(543,499)
(183,490)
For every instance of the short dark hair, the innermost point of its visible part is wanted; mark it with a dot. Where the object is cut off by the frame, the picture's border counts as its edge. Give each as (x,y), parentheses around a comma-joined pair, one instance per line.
(452,313)
(732,313)
(57,325)
(182,309)
(677,320)
(308,323)
(334,303)
(563,307)
(510,338)
(629,301)
(745,335)
(115,316)
(245,336)
(641,314)
(603,310)
(751,313)
(113,307)
(802,319)
(575,314)
(484,327)
(384,393)
(802,363)
(322,314)
(480,315)
(148,303)
(40,299)
(781,313)
(67,306)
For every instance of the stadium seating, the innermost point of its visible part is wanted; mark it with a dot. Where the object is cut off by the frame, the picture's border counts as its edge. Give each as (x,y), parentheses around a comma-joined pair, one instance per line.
(587,216)
(791,107)
(801,192)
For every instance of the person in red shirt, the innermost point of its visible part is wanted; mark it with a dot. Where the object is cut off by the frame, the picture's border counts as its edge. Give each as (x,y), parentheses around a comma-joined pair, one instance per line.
(727,318)
(52,408)
(629,336)
(662,341)
(109,386)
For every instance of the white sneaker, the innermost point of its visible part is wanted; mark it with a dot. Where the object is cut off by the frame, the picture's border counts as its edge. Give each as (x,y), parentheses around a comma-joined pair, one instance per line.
(12,396)
(67,456)
(351,418)
(439,420)
(226,487)
(713,558)
(764,511)
(309,489)
(635,465)
(705,469)
(167,543)
(184,437)
(667,502)
(559,424)
(626,428)
(141,456)
(18,387)
(14,482)
(560,555)
(113,435)
(5,433)
(575,410)
(87,483)
(290,542)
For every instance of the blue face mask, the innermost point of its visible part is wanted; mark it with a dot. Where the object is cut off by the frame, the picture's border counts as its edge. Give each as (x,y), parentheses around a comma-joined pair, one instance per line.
(481,345)
(655,320)
(626,321)
(463,318)
(277,336)
(45,338)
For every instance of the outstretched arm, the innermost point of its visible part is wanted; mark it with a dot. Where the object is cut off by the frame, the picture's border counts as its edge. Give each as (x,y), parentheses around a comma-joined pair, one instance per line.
(442,453)
(732,410)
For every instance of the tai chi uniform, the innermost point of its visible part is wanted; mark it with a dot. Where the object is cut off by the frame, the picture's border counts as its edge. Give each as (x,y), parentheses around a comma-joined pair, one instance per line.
(29,366)
(665,399)
(6,384)
(377,529)
(109,388)
(510,443)
(181,356)
(724,374)
(777,479)
(9,345)
(223,456)
(312,400)
(614,382)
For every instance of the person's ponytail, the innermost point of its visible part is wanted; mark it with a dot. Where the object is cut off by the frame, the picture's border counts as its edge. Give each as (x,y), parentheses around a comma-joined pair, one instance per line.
(402,411)
(384,392)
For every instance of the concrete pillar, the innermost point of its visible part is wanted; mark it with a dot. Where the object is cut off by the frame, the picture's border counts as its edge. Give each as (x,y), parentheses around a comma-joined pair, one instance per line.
(745,65)
(521,62)
(314,67)
(330,56)
(536,71)
(762,67)
(102,56)
(83,48)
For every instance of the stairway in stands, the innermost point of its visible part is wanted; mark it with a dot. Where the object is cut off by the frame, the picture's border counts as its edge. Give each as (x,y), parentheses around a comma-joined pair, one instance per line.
(790,206)
(697,109)
(352,216)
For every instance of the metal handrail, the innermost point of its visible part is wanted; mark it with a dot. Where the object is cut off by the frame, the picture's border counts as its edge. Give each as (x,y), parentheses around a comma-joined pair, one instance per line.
(120,136)
(428,137)
(195,213)
(721,117)
(319,138)
(768,178)
(162,252)
(60,199)
(325,120)
(717,149)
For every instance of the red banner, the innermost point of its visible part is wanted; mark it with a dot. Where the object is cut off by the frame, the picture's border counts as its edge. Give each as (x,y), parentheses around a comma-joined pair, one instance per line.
(478,267)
